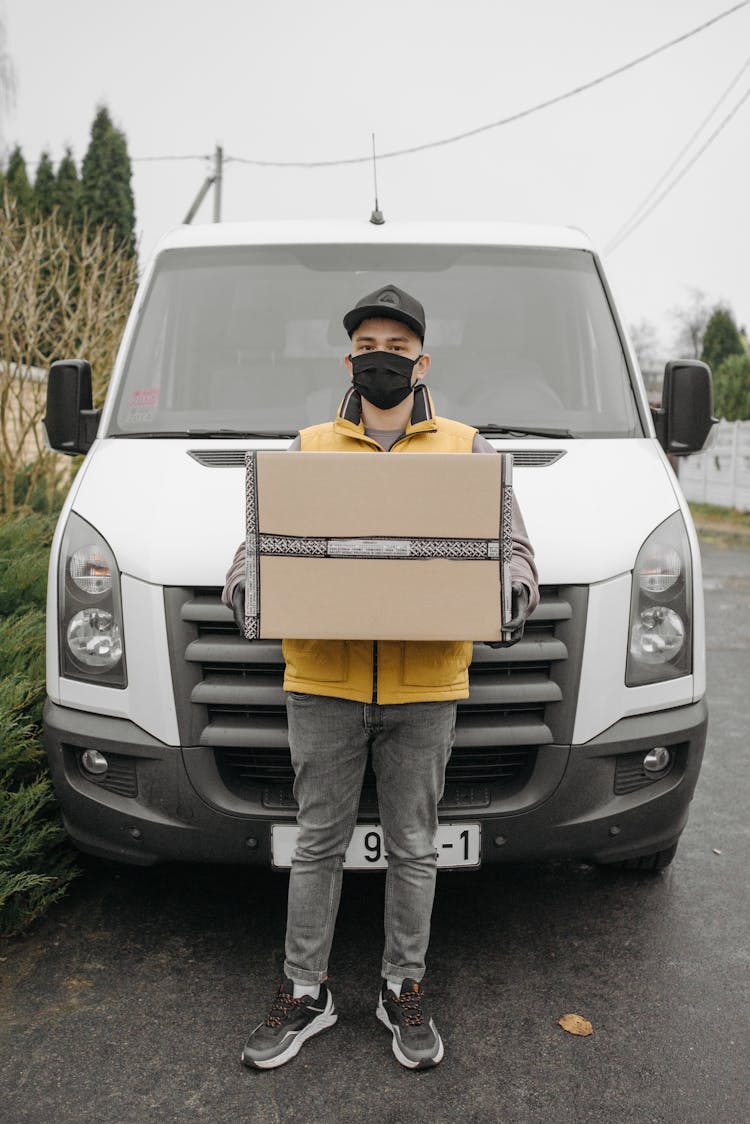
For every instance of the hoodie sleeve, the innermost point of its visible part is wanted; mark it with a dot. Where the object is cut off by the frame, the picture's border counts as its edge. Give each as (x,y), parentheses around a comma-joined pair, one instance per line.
(235,575)
(523,567)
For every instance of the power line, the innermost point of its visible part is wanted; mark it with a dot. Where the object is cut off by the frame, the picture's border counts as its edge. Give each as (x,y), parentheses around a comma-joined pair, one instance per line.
(144,159)
(481,128)
(205,156)
(670,187)
(504,120)
(622,229)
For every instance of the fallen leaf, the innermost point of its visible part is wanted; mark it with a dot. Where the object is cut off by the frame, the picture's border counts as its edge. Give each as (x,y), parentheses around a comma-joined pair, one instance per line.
(575,1024)
(75,983)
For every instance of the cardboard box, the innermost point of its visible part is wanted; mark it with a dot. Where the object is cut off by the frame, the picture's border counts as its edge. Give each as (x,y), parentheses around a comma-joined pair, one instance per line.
(380,547)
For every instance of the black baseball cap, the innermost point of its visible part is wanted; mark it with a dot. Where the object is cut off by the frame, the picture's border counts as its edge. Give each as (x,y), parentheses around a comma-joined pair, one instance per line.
(390,302)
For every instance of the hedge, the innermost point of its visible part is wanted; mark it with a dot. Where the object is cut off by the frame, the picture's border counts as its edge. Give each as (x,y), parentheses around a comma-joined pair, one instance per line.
(37,862)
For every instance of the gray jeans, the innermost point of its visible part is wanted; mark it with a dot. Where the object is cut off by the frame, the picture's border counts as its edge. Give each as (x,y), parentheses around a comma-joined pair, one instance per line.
(329,740)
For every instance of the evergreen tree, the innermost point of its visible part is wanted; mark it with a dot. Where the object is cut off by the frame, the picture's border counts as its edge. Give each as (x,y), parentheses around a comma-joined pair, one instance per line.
(18,181)
(721,338)
(45,186)
(68,190)
(105,181)
(732,388)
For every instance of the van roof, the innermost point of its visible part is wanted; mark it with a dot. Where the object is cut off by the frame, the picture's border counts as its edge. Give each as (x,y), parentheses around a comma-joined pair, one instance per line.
(295,232)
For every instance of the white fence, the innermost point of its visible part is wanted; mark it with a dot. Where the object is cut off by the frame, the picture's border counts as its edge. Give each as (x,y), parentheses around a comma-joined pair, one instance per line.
(721,475)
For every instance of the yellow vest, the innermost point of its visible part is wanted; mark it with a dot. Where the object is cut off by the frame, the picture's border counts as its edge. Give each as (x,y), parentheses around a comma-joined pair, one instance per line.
(407,670)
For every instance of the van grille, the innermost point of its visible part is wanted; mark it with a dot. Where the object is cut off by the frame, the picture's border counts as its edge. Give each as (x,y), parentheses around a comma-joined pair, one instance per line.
(241,768)
(230,699)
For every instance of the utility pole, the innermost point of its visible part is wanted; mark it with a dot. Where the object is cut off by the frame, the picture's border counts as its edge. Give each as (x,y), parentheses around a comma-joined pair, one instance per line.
(210,181)
(218,165)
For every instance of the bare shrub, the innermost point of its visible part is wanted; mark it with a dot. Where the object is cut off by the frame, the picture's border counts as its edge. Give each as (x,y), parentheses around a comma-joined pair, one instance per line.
(63,293)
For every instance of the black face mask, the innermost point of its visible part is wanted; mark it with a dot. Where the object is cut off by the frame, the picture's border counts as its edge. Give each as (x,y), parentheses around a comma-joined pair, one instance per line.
(383,377)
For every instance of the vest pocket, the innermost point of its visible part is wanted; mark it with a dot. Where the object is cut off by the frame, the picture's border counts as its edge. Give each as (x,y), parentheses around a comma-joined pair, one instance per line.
(434,663)
(318,661)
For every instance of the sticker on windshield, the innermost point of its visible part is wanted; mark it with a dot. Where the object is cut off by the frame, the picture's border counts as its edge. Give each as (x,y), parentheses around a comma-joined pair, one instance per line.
(141,406)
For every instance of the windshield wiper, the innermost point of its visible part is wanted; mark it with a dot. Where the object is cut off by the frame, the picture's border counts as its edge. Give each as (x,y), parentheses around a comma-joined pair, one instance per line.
(522,430)
(288,434)
(241,433)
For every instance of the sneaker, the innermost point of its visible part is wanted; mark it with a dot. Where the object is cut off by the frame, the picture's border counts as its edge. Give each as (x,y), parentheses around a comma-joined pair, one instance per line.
(416,1042)
(289,1024)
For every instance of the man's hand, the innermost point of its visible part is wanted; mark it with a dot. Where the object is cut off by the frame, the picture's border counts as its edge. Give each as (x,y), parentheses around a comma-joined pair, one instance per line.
(519,607)
(238,606)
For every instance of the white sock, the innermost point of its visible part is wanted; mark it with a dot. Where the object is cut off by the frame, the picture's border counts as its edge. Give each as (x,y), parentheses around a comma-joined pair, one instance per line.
(395,986)
(300,989)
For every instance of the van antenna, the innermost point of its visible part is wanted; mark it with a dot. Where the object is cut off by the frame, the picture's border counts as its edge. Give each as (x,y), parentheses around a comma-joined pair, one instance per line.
(376,218)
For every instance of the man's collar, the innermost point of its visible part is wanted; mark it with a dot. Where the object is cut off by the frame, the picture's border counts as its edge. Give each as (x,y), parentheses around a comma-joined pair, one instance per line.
(422,414)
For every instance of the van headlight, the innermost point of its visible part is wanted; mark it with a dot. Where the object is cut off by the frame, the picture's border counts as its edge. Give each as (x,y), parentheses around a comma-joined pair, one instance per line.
(90,608)
(661,607)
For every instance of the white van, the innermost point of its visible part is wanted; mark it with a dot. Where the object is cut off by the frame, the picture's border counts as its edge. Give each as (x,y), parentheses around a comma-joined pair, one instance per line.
(166,730)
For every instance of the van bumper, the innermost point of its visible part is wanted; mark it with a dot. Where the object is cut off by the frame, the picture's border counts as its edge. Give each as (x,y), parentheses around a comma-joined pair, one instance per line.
(166,803)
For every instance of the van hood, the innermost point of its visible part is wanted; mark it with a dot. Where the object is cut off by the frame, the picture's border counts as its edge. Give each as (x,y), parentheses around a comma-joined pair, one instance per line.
(172,519)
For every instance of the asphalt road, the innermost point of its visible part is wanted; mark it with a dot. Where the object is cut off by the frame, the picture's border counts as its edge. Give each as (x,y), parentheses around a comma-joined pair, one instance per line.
(130,1001)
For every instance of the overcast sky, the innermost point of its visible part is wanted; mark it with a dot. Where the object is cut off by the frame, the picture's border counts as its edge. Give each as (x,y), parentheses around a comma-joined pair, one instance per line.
(294,80)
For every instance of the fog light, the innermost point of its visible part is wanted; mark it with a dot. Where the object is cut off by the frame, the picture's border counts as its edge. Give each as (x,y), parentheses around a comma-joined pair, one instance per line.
(657,759)
(94,762)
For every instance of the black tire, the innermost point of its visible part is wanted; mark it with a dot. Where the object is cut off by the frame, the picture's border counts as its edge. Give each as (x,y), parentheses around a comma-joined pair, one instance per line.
(650,864)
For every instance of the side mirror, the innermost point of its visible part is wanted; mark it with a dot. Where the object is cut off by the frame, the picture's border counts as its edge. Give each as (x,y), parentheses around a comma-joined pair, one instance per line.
(685,418)
(71,423)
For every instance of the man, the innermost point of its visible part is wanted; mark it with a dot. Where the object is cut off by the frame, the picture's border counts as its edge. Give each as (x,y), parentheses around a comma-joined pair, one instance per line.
(394,700)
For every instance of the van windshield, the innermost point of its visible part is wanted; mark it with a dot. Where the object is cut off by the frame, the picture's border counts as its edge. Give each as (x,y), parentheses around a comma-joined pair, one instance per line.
(250,340)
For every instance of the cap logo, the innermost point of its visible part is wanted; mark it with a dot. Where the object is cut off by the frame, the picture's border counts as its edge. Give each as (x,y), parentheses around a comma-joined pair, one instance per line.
(388,297)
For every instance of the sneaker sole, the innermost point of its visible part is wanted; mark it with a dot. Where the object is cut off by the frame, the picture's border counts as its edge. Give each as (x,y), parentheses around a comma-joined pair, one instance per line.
(322,1022)
(409,1063)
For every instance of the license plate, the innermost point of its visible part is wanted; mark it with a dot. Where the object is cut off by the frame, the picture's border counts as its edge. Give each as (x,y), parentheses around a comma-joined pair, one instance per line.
(457,845)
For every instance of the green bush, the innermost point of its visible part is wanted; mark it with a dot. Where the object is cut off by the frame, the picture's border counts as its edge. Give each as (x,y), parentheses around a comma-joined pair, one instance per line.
(36,860)
(732,388)
(44,497)
(24,556)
